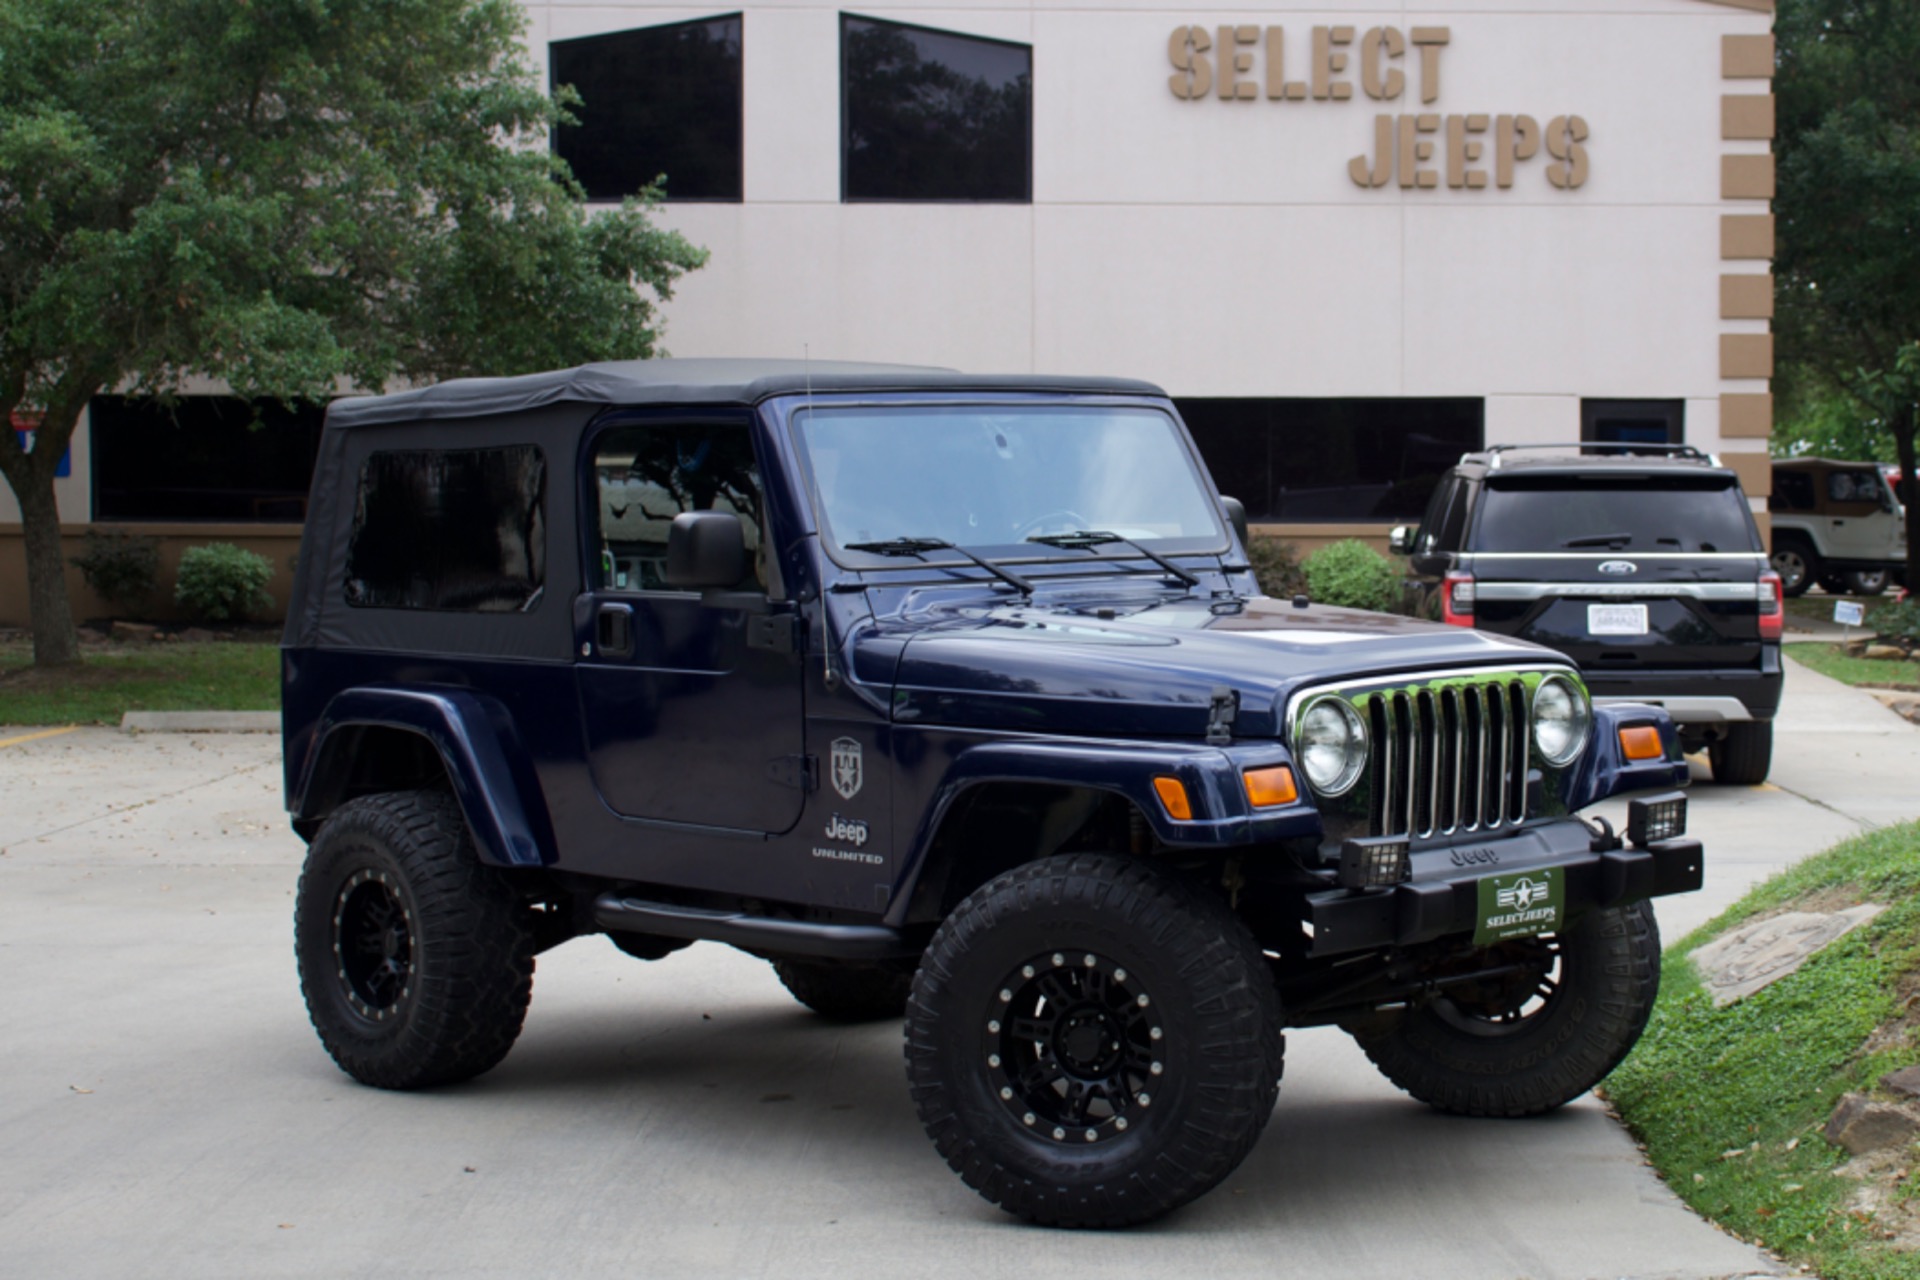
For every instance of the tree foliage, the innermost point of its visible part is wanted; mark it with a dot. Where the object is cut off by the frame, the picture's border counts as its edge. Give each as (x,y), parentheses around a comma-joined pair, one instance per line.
(292,196)
(1848,148)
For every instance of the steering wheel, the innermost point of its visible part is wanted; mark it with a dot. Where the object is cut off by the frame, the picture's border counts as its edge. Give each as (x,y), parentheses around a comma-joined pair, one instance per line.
(1058,521)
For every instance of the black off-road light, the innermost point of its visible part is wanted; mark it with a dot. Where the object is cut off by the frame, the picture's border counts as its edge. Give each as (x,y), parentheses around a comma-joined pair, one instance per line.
(1656,818)
(1369,864)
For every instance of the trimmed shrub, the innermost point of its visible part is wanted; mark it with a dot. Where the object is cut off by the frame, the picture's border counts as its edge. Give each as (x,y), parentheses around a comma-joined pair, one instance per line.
(221,581)
(122,568)
(1276,567)
(1353,574)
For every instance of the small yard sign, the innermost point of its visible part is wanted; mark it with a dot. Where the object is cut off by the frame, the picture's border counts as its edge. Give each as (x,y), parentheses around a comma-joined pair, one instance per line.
(1849,613)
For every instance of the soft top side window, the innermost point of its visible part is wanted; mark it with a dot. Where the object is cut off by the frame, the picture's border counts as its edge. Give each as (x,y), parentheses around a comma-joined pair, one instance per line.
(460,530)
(646,474)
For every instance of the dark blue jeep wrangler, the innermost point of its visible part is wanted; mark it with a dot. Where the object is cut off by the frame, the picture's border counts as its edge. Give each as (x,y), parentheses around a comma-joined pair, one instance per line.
(948,694)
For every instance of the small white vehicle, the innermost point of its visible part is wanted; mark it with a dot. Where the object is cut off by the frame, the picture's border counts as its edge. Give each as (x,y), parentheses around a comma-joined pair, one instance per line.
(1837,524)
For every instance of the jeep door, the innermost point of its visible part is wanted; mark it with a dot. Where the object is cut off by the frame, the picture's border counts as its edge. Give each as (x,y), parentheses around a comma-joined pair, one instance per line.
(691,707)
(1861,520)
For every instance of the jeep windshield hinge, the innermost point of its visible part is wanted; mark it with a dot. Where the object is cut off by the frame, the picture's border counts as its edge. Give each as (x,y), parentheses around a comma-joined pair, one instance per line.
(799,772)
(1221,711)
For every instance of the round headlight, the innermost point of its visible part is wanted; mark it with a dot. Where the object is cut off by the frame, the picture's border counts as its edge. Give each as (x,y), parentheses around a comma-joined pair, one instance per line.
(1560,720)
(1332,746)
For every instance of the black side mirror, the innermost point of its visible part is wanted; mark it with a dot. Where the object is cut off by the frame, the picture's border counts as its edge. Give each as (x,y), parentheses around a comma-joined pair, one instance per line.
(1433,564)
(706,549)
(1237,517)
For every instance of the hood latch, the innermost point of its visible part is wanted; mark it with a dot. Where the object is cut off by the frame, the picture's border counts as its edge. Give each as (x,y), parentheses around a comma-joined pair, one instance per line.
(1221,711)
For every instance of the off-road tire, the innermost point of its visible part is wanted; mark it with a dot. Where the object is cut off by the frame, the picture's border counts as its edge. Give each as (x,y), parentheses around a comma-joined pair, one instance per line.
(1744,757)
(1085,960)
(848,992)
(416,959)
(1795,560)
(1461,1060)
(1868,582)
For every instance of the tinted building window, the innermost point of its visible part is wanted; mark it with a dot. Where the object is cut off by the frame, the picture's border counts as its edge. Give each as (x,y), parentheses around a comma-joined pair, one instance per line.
(657,100)
(931,115)
(461,529)
(1632,422)
(202,458)
(1307,460)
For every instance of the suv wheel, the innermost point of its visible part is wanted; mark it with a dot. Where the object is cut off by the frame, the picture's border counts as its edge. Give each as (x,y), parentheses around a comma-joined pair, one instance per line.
(1743,757)
(843,992)
(1796,563)
(1092,1042)
(416,959)
(1868,582)
(1571,1007)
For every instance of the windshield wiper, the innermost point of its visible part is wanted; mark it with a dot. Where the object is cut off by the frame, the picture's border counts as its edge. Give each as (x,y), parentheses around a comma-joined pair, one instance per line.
(1600,540)
(1088,539)
(920,546)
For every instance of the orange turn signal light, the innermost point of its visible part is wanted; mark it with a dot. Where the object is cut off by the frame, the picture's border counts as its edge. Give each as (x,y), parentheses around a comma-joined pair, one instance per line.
(1640,742)
(1269,787)
(1173,797)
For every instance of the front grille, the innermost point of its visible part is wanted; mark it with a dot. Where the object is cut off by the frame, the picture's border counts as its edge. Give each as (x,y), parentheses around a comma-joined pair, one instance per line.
(1447,758)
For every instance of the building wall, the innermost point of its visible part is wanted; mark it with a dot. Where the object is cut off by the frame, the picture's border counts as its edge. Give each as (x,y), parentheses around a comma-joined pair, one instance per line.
(1223,248)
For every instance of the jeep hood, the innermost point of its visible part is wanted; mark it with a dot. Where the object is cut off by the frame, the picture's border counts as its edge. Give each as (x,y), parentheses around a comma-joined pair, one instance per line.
(1152,670)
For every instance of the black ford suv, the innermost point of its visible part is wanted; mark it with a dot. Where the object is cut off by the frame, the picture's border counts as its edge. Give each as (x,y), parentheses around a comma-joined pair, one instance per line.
(951,696)
(1642,563)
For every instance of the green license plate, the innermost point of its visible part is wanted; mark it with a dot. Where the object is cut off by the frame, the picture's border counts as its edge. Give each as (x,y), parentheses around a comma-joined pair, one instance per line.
(1520,905)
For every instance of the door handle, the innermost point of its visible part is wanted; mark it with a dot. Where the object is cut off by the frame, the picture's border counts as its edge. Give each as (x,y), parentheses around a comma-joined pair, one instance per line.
(616,630)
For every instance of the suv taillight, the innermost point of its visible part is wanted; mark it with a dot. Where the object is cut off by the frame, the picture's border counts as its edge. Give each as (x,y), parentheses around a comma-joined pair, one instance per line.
(1456,600)
(1773,609)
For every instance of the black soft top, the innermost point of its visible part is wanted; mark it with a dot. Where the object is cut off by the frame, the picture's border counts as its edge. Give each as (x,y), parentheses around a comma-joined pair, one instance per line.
(652,382)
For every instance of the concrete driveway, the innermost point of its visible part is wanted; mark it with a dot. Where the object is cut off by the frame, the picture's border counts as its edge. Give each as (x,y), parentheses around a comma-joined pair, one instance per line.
(166,1111)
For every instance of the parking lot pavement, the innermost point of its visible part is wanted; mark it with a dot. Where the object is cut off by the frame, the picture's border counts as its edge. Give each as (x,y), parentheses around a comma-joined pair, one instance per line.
(165,1109)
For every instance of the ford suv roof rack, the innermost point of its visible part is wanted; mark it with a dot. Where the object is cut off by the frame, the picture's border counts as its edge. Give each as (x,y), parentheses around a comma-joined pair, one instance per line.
(1685,452)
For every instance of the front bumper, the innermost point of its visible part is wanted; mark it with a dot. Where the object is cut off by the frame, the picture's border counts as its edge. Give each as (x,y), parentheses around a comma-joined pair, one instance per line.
(1442,897)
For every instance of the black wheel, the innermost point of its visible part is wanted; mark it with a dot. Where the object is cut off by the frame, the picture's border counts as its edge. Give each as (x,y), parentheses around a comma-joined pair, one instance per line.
(848,992)
(1794,560)
(1834,584)
(1565,1012)
(1092,1042)
(1743,757)
(416,959)
(1868,582)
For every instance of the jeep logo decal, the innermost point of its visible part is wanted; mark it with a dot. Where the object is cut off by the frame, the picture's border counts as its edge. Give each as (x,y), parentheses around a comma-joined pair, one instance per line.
(1619,568)
(847,772)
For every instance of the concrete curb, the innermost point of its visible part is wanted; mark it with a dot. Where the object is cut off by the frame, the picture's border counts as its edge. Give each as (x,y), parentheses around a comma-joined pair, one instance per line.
(201,722)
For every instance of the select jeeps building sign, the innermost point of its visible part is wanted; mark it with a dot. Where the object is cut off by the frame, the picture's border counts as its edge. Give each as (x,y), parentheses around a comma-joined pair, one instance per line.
(1416,149)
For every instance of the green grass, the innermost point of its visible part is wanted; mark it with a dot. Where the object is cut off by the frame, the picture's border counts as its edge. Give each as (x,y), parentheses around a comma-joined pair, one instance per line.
(1832,660)
(161,676)
(1730,1102)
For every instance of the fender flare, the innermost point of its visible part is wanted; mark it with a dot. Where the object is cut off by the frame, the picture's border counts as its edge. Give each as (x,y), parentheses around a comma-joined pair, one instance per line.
(1223,818)
(1603,769)
(479,747)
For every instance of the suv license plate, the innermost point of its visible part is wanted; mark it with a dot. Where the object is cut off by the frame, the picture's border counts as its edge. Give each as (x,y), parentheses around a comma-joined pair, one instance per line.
(1520,905)
(1617,619)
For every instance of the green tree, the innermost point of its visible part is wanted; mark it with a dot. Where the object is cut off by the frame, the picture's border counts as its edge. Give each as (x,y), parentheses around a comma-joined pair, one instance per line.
(290,195)
(1849,212)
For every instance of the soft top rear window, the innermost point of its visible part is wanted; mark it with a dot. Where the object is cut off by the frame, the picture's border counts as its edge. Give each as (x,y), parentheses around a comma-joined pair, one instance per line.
(1610,512)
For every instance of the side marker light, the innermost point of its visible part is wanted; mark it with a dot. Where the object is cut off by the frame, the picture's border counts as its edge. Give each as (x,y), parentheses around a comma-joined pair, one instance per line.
(1173,798)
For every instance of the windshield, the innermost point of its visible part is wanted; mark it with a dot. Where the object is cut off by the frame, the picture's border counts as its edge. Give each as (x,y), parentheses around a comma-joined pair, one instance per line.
(1600,514)
(997,476)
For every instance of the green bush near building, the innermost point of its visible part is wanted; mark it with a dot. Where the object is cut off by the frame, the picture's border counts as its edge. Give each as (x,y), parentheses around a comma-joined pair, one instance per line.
(1352,574)
(221,582)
